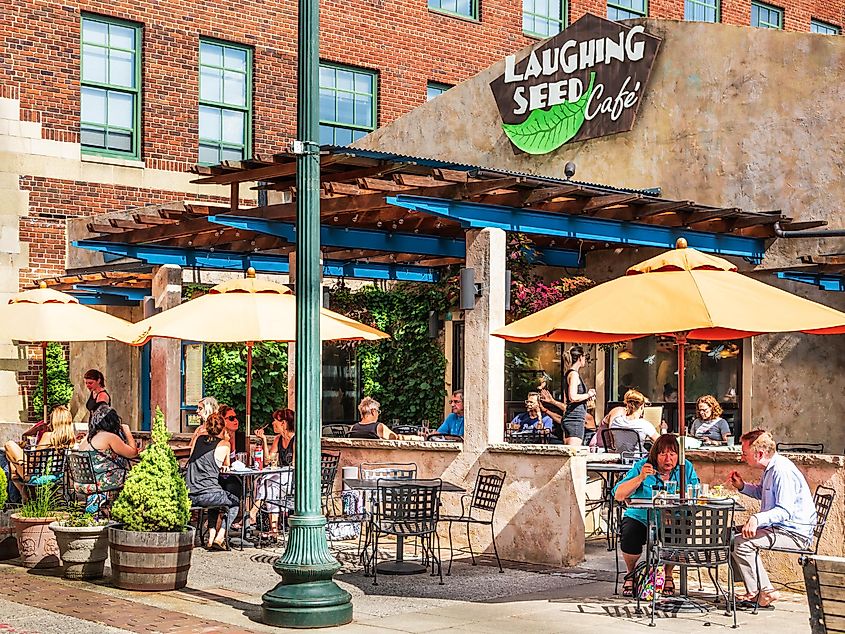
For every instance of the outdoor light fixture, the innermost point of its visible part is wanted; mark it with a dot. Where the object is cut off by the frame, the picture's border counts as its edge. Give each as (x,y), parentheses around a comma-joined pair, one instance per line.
(469,289)
(433,325)
(569,170)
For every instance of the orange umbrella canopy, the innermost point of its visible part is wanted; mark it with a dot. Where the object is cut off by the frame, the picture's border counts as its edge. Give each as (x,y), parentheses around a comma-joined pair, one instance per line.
(241,310)
(679,291)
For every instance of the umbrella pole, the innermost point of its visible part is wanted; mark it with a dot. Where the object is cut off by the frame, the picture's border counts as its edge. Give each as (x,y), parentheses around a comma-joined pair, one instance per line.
(248,389)
(681,342)
(44,378)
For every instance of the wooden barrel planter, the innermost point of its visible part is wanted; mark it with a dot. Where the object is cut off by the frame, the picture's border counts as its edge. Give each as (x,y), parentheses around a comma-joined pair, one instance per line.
(150,561)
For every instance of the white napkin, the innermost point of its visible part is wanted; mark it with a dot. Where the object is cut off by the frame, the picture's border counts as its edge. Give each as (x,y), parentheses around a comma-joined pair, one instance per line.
(237,465)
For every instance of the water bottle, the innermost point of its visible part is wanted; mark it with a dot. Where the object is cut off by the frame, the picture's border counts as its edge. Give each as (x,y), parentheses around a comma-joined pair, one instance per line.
(258,458)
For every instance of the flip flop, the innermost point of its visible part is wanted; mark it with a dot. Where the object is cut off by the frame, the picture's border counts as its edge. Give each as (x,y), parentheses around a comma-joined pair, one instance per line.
(749,605)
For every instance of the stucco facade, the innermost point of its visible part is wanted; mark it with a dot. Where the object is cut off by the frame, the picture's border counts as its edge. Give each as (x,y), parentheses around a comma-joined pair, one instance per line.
(756,126)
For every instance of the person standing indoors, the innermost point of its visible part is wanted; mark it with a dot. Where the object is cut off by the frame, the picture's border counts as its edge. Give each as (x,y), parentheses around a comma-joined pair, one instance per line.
(95,382)
(577,396)
(786,519)
(454,422)
(710,427)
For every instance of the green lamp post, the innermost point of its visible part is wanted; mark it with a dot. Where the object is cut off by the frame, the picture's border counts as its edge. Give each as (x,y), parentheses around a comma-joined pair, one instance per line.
(307,596)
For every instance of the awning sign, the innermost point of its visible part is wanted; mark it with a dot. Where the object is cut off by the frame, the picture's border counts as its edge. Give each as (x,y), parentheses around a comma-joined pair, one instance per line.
(585,82)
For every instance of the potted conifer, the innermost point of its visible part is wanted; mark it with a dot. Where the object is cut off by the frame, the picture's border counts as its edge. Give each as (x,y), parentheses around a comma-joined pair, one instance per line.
(83,544)
(150,547)
(36,542)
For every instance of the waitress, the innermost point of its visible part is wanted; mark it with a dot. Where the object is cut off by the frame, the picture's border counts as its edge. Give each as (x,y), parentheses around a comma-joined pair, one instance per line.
(95,382)
(577,396)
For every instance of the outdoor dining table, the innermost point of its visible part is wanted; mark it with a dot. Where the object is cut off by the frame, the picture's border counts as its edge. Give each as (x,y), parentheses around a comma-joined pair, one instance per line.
(609,472)
(399,566)
(247,477)
(682,602)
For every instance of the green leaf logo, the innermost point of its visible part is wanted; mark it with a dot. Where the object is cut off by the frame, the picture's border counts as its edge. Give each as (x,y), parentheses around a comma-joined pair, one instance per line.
(546,130)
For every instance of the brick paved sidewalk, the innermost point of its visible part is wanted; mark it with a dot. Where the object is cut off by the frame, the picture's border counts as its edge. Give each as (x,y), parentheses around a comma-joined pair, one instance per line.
(62,598)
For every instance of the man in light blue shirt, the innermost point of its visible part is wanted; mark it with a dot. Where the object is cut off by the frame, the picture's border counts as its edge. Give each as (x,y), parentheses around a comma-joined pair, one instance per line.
(786,518)
(454,423)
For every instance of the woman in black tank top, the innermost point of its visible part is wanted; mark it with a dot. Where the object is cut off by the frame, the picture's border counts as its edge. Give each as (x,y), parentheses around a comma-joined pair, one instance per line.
(96,383)
(369,427)
(577,395)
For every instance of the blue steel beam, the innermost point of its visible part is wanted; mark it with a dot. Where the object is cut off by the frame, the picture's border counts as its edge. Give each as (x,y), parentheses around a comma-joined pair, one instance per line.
(826,282)
(262,263)
(476,215)
(134,294)
(388,241)
(100,299)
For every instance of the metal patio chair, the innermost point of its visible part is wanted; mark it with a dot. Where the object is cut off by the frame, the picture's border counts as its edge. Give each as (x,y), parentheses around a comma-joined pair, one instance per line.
(438,437)
(800,447)
(407,508)
(623,441)
(478,507)
(42,466)
(336,431)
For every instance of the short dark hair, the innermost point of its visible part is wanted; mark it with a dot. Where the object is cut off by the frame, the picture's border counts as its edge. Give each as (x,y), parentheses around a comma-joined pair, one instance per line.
(666,442)
(105,418)
(214,424)
(95,375)
(285,416)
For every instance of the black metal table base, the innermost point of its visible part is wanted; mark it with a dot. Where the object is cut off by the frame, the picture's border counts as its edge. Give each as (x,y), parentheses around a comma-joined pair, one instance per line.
(681,605)
(400,568)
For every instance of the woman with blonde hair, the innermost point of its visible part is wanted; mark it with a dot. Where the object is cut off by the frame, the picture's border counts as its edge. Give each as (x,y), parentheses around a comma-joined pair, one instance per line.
(369,427)
(709,426)
(206,406)
(60,436)
(633,418)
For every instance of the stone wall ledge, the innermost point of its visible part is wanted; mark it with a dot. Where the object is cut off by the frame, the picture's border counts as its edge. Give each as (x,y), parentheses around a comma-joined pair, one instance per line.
(362,443)
(729,457)
(539,450)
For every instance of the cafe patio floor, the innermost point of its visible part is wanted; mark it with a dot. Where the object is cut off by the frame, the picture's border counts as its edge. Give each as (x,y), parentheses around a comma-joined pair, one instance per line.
(224,595)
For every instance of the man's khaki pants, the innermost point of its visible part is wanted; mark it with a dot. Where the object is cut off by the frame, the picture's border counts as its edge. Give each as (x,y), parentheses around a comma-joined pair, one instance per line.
(747,551)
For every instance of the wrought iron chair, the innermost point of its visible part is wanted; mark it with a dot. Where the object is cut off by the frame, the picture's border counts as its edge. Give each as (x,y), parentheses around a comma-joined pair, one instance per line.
(328,474)
(336,431)
(45,465)
(800,447)
(438,437)
(84,481)
(479,507)
(407,508)
(696,536)
(378,471)
(823,501)
(623,441)
(277,499)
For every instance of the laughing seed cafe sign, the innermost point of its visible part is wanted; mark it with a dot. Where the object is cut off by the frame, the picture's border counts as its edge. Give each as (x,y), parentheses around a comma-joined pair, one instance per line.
(585,82)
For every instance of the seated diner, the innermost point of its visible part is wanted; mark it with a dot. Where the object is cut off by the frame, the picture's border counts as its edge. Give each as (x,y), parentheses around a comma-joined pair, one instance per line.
(209,456)
(453,424)
(271,490)
(369,426)
(710,427)
(60,435)
(532,418)
(646,476)
(111,445)
(632,419)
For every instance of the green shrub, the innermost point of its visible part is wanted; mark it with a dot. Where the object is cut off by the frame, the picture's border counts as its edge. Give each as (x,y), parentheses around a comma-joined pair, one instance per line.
(45,503)
(59,387)
(4,489)
(76,518)
(155,497)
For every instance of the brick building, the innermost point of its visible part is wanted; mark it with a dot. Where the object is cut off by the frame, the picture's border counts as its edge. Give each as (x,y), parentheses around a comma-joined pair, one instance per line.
(105,106)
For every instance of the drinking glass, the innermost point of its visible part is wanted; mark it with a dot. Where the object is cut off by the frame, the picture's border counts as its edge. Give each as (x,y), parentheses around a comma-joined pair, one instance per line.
(671,487)
(731,441)
(31,441)
(693,491)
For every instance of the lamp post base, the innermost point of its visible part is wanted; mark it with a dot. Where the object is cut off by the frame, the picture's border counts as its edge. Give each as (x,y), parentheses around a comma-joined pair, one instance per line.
(306,605)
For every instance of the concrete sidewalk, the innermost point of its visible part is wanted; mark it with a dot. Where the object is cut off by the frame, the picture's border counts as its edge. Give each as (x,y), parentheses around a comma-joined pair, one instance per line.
(224,595)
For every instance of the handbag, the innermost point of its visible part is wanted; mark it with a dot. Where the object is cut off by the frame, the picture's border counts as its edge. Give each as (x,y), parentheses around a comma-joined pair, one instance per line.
(648,580)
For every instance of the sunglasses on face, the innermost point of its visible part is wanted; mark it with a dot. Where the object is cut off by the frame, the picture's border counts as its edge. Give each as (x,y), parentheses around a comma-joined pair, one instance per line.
(233,417)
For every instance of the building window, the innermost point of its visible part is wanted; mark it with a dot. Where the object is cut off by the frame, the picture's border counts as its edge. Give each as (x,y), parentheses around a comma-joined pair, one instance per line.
(817,26)
(225,107)
(701,10)
(465,8)
(766,16)
(625,9)
(110,115)
(543,18)
(433,89)
(348,98)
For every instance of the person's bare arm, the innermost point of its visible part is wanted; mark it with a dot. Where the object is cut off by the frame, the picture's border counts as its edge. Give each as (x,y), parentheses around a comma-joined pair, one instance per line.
(386,433)
(121,448)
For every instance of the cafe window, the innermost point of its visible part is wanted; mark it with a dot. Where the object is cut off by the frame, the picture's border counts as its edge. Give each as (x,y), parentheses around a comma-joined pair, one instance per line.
(543,18)
(348,98)
(766,16)
(341,383)
(817,26)
(225,102)
(701,10)
(626,9)
(110,113)
(464,8)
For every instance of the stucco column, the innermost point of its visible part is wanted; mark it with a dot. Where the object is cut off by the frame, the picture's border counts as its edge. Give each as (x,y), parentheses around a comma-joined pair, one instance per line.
(166,354)
(484,356)
(291,344)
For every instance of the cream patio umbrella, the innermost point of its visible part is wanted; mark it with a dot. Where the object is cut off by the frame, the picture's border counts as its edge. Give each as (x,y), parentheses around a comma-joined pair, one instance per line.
(242,310)
(42,315)
(683,294)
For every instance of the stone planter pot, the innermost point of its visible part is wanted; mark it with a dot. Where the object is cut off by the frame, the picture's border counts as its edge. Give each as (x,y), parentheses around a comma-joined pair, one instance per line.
(8,542)
(150,561)
(36,542)
(83,549)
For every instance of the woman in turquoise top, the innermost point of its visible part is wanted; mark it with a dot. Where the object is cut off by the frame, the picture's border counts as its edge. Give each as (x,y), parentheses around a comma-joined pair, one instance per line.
(646,476)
